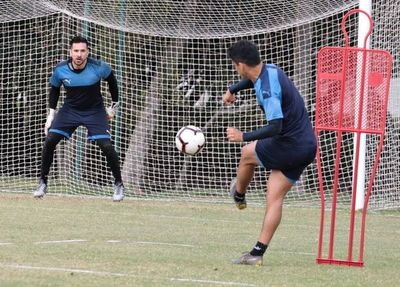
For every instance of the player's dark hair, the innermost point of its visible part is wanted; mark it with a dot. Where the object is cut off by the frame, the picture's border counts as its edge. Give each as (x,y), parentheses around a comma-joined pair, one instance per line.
(245,52)
(78,39)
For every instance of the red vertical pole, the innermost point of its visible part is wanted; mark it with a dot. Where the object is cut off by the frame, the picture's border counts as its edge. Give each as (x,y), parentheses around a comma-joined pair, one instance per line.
(322,195)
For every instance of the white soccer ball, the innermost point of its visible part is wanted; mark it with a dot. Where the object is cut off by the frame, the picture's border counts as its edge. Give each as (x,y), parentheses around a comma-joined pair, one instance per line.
(190,140)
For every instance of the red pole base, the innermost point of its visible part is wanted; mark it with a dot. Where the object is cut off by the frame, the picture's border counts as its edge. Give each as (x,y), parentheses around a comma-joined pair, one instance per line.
(340,262)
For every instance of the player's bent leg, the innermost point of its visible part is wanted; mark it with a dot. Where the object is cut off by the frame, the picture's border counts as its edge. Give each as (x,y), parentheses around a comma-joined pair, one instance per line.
(247,165)
(245,172)
(113,162)
(238,198)
(49,147)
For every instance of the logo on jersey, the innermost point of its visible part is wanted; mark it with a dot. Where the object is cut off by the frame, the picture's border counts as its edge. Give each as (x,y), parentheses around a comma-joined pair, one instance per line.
(266,94)
(67,81)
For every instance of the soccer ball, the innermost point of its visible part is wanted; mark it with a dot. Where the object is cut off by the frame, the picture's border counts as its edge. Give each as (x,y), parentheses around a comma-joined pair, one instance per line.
(190,140)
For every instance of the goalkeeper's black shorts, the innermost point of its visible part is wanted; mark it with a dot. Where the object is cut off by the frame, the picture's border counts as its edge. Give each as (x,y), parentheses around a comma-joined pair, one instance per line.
(95,120)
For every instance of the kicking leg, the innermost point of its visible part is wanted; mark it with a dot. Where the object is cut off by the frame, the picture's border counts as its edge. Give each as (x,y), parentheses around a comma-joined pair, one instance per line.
(245,172)
(247,165)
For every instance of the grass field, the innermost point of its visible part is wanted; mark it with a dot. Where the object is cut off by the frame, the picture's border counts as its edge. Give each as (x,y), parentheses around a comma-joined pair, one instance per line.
(70,241)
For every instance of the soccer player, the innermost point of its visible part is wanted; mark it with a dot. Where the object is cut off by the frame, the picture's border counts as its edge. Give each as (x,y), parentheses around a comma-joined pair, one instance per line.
(83,105)
(286,145)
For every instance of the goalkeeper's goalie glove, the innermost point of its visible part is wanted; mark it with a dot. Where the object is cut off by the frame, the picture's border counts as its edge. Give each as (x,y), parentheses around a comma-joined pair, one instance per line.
(112,110)
(50,118)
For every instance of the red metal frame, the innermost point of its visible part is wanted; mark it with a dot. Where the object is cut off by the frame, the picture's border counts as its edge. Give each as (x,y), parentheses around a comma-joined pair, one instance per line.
(333,83)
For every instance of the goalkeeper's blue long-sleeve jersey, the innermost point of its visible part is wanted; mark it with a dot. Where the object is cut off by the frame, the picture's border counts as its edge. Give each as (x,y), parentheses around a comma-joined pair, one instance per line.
(83,87)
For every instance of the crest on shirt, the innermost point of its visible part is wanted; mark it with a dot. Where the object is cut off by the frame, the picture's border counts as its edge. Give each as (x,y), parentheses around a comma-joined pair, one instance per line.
(266,94)
(67,81)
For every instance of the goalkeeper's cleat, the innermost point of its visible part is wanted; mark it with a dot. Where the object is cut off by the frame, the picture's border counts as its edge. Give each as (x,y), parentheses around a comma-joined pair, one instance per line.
(119,190)
(41,191)
(248,259)
(239,201)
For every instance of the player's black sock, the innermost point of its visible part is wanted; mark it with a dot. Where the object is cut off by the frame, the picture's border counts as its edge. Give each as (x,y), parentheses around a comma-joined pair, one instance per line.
(118,182)
(44,179)
(259,249)
(239,197)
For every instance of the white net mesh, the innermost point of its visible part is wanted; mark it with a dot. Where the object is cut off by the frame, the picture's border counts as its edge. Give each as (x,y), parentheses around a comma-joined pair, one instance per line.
(171,63)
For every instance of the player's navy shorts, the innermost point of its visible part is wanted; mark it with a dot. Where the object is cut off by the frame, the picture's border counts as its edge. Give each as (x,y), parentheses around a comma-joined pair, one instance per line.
(95,120)
(290,159)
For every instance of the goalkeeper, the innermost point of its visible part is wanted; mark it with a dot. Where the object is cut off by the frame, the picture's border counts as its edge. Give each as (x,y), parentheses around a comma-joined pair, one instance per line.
(83,105)
(285,146)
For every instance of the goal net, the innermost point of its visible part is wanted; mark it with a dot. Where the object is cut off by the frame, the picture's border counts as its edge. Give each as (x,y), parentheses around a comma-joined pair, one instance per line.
(172,67)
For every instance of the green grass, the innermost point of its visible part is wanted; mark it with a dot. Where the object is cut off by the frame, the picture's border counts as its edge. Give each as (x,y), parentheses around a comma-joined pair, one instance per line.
(165,243)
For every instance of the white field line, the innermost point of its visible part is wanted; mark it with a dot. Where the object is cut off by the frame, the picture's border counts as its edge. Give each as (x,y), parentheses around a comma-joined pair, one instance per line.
(62,241)
(151,243)
(100,273)
(162,243)
(55,269)
(108,241)
(227,283)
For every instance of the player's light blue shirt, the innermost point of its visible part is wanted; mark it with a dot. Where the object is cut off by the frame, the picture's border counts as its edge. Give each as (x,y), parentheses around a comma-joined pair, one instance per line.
(83,87)
(269,93)
(280,99)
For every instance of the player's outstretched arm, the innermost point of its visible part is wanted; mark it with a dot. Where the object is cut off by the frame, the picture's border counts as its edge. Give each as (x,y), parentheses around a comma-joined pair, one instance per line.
(54,95)
(113,88)
(243,84)
(49,120)
(229,97)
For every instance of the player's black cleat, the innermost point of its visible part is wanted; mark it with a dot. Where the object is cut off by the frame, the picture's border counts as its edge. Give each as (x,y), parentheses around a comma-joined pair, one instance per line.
(248,259)
(240,201)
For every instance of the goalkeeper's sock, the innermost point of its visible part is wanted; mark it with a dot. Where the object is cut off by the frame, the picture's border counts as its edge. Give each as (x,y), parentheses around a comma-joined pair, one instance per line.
(259,249)
(44,179)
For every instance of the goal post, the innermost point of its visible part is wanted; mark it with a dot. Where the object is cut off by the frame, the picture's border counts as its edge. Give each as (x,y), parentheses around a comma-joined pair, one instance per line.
(171,64)
(362,42)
